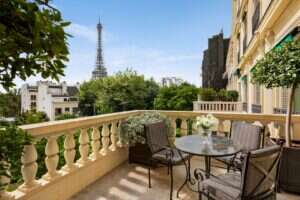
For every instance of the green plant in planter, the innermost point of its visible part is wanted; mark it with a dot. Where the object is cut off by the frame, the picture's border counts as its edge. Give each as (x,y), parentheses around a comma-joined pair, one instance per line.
(12,141)
(281,68)
(132,130)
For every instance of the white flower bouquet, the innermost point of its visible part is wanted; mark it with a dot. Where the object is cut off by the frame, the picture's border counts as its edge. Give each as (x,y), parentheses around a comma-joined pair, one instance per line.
(206,123)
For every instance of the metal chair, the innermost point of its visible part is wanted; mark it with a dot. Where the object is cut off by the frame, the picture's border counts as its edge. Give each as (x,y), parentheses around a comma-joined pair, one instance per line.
(162,152)
(257,181)
(249,136)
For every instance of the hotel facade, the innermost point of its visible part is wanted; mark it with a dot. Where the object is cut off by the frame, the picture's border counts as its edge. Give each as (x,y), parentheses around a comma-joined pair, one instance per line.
(257,27)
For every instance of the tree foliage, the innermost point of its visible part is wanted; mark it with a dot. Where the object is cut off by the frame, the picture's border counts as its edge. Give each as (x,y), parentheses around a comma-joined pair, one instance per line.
(176,97)
(32,41)
(31,117)
(10,104)
(12,141)
(120,92)
(280,68)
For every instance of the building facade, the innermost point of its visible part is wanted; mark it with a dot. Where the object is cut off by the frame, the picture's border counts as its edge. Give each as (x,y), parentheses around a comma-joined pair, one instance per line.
(100,70)
(169,81)
(53,99)
(259,26)
(213,63)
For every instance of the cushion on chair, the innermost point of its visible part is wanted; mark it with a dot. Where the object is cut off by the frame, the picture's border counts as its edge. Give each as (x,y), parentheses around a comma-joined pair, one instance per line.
(162,156)
(223,187)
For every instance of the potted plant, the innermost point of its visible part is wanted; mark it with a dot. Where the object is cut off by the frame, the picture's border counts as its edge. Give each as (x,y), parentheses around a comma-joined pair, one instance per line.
(281,68)
(132,134)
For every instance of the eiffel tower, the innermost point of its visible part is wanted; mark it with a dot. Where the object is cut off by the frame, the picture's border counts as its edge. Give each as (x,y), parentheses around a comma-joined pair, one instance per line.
(100,70)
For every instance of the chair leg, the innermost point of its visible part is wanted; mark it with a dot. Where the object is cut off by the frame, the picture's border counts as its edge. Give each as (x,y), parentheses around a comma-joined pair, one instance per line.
(171,173)
(228,168)
(149,177)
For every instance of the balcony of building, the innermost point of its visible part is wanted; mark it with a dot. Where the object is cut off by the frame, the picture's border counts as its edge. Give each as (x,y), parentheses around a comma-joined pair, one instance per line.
(102,170)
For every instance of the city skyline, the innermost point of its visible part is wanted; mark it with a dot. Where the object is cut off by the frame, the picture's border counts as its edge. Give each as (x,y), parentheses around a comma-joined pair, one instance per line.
(167,42)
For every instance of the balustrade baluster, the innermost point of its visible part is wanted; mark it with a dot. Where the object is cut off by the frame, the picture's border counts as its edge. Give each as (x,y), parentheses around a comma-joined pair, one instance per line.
(83,147)
(51,160)
(69,153)
(105,139)
(113,136)
(95,143)
(29,168)
(119,144)
(184,126)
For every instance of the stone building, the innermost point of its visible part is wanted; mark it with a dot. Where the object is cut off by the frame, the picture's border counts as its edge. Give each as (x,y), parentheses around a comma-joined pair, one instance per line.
(100,70)
(53,99)
(213,63)
(259,26)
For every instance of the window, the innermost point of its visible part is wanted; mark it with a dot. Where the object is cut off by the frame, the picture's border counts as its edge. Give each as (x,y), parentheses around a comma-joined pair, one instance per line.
(58,111)
(284,98)
(257,94)
(67,109)
(33,105)
(238,49)
(245,32)
(256,16)
(74,110)
(33,97)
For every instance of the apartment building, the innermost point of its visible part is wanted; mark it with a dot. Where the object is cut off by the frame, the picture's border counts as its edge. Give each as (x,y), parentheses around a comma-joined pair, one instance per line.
(213,63)
(257,27)
(53,99)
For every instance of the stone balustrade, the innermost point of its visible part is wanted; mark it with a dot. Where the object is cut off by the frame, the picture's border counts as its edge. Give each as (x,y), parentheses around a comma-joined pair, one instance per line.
(217,106)
(99,151)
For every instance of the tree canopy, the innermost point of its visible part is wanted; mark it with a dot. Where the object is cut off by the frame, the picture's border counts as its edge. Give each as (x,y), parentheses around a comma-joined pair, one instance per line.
(279,67)
(32,41)
(175,97)
(122,91)
(10,104)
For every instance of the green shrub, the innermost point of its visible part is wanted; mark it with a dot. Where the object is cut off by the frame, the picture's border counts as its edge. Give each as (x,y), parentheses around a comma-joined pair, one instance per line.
(232,95)
(12,141)
(132,130)
(65,116)
(208,94)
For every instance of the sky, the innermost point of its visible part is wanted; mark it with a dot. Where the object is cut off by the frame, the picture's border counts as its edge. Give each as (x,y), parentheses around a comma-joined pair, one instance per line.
(157,38)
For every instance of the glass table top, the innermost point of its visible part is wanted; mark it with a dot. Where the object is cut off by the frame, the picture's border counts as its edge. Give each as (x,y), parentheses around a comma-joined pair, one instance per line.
(204,146)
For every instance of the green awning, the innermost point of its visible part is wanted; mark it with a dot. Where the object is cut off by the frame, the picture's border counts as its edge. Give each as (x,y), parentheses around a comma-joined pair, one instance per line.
(243,78)
(287,38)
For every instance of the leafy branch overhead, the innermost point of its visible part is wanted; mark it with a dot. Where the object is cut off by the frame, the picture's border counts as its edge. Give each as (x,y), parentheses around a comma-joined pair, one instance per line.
(32,41)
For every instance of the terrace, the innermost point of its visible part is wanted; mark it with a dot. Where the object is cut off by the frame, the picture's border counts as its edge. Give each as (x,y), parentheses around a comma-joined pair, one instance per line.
(102,171)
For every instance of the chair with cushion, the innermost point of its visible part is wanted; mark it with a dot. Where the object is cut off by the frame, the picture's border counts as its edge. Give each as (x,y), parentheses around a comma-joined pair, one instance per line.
(257,181)
(247,135)
(162,151)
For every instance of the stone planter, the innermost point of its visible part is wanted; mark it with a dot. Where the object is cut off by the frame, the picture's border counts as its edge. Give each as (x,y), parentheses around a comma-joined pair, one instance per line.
(289,174)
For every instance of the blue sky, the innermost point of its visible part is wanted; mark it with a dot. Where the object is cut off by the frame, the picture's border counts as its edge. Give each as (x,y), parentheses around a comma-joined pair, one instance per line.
(156,38)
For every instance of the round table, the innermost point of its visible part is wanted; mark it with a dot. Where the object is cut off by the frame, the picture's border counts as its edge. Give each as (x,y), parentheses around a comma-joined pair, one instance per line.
(208,147)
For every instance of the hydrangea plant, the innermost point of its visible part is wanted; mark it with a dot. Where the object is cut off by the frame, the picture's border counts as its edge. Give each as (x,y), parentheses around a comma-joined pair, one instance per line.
(132,130)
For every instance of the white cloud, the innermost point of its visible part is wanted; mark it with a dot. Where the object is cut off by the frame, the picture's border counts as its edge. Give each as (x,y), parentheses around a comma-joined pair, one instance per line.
(88,33)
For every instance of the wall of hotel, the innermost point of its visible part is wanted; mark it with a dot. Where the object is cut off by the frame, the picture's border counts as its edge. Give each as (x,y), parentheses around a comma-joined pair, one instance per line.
(282,17)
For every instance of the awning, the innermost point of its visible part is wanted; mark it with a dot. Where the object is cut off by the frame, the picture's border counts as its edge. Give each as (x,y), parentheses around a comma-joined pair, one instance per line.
(289,37)
(243,78)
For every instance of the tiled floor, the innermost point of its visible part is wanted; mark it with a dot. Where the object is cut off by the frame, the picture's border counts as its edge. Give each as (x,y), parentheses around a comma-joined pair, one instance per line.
(130,182)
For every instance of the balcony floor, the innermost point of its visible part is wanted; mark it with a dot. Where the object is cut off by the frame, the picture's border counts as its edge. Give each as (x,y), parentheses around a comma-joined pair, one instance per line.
(130,182)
